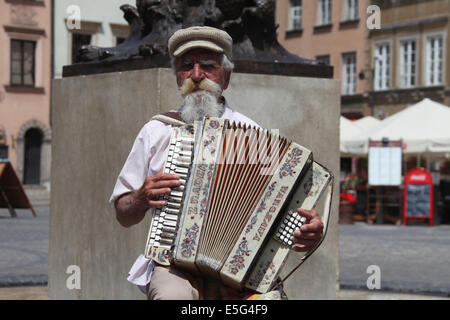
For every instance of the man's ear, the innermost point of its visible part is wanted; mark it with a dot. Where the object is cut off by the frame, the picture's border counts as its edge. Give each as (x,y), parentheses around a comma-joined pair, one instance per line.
(226,79)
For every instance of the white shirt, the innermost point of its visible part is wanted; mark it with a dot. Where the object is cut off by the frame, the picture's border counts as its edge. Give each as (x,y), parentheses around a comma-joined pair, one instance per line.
(146,158)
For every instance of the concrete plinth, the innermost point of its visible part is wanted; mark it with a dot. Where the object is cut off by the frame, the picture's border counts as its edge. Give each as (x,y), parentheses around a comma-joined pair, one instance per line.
(95,121)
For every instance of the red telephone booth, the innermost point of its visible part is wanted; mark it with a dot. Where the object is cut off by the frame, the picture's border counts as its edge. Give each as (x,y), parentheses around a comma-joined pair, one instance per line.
(418,196)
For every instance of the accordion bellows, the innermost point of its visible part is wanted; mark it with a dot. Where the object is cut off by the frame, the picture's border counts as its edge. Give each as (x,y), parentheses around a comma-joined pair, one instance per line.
(234,216)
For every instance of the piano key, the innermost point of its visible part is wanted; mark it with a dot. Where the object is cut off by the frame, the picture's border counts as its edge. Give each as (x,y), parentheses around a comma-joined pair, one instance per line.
(172,211)
(173,204)
(168,235)
(171,217)
(187,140)
(165,241)
(170,223)
(183,159)
(181,170)
(175,199)
(169,229)
(177,194)
(182,164)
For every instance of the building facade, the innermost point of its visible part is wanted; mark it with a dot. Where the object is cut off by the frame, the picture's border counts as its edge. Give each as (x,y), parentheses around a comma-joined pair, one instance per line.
(25,62)
(409,56)
(86,22)
(334,32)
(382,69)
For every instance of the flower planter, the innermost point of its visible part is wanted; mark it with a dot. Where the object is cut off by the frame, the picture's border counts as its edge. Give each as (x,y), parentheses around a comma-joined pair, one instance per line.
(346,210)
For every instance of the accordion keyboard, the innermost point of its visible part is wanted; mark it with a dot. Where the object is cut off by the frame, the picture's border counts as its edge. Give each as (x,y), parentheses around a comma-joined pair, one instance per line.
(165,221)
(290,222)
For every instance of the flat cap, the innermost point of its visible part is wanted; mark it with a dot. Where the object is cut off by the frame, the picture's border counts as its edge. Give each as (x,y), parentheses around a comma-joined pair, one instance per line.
(210,38)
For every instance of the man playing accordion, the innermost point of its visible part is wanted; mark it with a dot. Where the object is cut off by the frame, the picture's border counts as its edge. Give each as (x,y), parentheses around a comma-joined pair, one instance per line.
(201,59)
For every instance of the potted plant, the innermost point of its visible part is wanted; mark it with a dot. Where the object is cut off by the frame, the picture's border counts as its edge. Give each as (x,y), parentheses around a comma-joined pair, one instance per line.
(348,199)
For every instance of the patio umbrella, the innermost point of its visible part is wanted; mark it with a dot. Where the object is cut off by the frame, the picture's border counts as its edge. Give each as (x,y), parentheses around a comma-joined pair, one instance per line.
(423,127)
(349,132)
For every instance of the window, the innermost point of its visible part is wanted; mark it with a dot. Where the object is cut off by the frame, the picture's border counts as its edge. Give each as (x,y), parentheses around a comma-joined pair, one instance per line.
(324,12)
(382,65)
(79,40)
(408,63)
(351,10)
(295,15)
(325,59)
(349,74)
(23,63)
(434,60)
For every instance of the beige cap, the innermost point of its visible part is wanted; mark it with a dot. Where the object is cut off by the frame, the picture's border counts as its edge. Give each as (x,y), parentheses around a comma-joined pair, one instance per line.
(200,37)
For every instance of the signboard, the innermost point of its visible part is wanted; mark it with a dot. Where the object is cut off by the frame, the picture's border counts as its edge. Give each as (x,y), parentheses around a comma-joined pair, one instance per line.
(418,195)
(385,163)
(12,195)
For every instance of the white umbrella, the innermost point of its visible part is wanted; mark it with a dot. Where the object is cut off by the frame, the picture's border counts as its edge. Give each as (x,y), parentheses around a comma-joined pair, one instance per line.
(423,127)
(367,123)
(349,131)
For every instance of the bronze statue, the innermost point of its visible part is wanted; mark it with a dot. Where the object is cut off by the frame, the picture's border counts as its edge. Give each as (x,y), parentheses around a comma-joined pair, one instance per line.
(251,23)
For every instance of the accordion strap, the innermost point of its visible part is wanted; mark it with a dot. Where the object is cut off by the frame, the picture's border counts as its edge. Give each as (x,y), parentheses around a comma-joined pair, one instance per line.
(172,117)
(325,218)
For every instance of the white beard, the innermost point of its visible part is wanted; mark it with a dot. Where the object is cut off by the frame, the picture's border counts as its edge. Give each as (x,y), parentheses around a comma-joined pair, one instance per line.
(201,103)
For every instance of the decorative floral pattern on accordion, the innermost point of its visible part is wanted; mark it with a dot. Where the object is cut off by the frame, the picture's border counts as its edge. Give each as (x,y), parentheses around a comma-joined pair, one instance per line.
(161,256)
(210,142)
(238,260)
(188,243)
(293,159)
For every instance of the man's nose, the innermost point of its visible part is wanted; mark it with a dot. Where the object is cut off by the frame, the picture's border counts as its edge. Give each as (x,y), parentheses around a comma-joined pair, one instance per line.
(197,73)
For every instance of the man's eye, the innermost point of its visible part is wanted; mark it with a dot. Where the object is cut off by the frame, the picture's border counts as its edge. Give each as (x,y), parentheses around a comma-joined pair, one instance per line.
(209,66)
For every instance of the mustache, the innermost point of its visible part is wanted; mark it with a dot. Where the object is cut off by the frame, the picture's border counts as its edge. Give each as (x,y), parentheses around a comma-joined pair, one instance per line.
(206,84)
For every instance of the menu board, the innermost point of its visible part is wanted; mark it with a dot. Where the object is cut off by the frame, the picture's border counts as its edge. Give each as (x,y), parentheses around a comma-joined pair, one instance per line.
(385,164)
(418,200)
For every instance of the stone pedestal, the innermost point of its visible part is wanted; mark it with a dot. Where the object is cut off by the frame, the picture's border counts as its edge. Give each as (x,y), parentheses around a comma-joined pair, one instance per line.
(95,121)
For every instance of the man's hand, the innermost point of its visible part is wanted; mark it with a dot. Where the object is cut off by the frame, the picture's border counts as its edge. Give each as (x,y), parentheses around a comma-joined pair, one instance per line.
(309,235)
(155,187)
(131,207)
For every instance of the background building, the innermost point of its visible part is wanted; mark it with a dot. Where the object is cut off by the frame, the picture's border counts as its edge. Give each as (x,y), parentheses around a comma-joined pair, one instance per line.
(383,70)
(25,62)
(101,24)
(334,32)
(409,56)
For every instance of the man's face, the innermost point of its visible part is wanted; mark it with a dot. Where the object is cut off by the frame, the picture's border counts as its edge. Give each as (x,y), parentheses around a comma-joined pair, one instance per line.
(198,64)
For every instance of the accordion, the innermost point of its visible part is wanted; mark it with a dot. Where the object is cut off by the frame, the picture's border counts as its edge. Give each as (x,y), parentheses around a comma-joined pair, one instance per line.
(234,215)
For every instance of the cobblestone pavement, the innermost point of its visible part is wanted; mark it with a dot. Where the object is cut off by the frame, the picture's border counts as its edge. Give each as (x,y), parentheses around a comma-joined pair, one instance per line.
(24,247)
(412,259)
